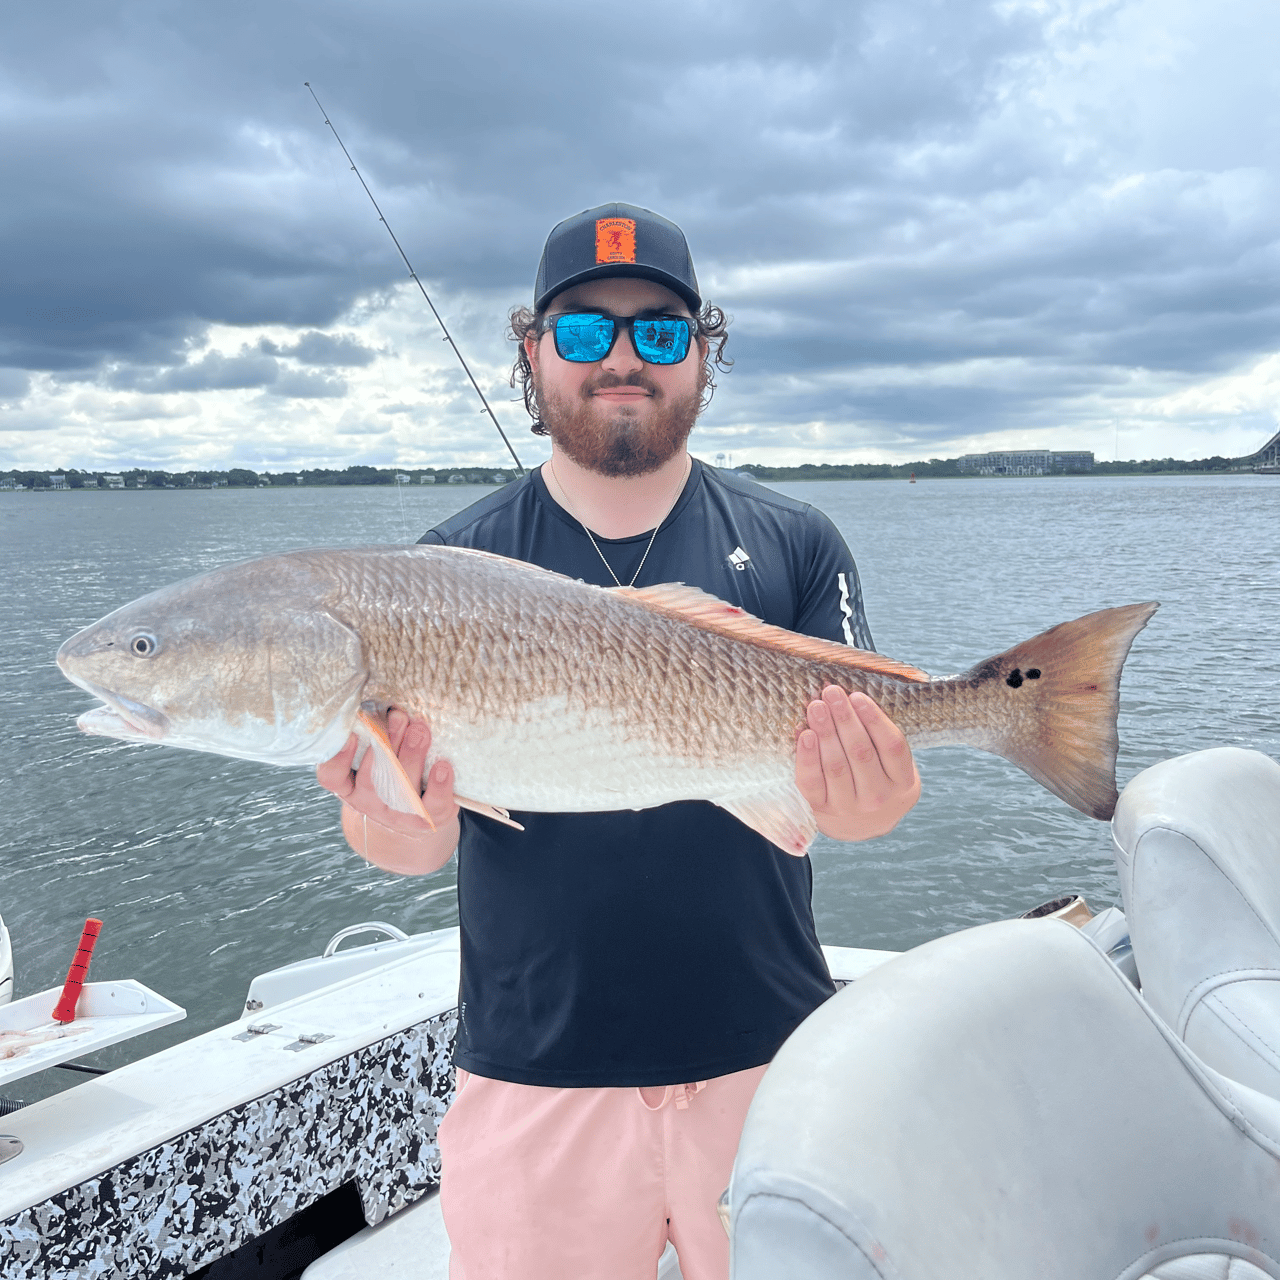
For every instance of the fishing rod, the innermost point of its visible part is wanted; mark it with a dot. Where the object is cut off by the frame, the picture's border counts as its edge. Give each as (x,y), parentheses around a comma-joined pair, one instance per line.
(413,275)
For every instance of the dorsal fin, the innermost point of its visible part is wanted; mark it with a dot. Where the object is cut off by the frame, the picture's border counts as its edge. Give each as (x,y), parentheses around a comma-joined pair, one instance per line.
(712,614)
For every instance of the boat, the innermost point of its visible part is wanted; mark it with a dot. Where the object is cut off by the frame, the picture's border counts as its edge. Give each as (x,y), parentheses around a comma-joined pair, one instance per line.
(1057,1095)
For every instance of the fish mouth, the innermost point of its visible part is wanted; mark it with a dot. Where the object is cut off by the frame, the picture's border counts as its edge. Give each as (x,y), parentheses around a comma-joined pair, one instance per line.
(121,717)
(105,722)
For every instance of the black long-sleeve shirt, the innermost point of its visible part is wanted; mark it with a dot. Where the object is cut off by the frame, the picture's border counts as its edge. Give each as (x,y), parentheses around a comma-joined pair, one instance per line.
(670,944)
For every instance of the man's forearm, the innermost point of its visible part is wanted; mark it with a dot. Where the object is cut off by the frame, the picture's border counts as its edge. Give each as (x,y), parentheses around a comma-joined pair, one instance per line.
(406,855)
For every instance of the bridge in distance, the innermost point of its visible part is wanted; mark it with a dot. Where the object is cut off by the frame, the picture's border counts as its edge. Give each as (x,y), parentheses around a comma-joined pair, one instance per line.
(1267,458)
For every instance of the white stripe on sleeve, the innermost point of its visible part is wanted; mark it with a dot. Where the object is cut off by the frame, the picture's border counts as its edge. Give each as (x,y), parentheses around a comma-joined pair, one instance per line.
(847,610)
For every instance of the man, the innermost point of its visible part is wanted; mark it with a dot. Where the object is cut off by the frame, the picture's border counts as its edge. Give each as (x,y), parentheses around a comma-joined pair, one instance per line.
(626,977)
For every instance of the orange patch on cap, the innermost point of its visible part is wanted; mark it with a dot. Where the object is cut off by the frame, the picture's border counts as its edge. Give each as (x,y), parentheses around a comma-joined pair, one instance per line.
(615,240)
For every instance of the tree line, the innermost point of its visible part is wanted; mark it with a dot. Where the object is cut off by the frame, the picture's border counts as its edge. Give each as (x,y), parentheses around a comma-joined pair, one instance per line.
(242,478)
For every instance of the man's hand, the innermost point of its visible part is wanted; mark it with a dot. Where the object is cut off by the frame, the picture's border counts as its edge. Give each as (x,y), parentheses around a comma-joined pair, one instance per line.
(395,841)
(854,767)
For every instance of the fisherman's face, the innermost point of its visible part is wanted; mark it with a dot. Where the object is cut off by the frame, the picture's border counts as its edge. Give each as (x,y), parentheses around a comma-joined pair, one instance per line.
(618,416)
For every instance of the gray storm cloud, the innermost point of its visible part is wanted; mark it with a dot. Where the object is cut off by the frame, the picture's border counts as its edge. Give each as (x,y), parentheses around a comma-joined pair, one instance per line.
(927,219)
(321,348)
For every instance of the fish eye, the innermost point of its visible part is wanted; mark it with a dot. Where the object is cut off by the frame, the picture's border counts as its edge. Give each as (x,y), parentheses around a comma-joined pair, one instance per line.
(143,645)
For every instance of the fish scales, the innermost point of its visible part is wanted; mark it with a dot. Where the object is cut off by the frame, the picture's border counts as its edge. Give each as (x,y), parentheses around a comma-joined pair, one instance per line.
(548,694)
(665,684)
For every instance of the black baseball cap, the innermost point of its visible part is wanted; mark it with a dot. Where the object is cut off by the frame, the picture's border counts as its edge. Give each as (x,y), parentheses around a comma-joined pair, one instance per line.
(615,240)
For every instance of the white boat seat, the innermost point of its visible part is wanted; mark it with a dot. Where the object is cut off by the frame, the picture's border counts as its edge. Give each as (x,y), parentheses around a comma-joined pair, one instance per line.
(1001,1103)
(1197,844)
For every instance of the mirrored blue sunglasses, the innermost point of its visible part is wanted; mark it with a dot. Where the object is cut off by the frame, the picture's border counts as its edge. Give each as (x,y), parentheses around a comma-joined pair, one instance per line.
(583,337)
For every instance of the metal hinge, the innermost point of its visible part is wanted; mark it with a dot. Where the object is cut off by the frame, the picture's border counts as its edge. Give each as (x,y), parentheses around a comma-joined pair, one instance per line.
(258,1029)
(304,1042)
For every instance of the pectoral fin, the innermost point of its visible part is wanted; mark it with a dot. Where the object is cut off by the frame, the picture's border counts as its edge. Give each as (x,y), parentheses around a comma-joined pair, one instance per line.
(394,786)
(781,815)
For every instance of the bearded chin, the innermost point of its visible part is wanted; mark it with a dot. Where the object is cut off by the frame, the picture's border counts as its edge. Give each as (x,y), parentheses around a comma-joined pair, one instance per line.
(621,445)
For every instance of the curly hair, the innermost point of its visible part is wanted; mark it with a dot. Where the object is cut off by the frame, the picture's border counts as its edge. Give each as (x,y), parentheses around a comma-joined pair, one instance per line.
(712,325)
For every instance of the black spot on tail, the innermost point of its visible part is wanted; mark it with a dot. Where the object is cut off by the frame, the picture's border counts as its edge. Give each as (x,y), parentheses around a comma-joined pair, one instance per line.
(1014,679)
(1034,673)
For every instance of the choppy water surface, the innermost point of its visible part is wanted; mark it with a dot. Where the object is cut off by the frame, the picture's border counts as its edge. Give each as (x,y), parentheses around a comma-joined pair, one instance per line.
(208,871)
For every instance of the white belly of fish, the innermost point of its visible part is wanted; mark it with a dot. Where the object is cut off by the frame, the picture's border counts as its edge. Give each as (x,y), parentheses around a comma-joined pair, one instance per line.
(553,758)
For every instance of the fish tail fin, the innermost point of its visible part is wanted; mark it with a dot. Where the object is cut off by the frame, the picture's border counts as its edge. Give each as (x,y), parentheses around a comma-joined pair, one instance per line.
(1069,678)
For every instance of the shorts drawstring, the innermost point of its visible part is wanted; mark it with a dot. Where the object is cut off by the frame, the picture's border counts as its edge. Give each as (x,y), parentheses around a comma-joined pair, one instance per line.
(682,1100)
(681,1092)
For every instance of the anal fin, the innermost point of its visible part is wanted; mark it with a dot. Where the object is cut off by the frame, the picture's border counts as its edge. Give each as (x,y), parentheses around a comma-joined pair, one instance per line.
(394,786)
(782,815)
(493,811)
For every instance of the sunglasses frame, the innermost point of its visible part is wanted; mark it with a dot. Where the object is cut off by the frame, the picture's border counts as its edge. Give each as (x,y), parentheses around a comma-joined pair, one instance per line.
(619,323)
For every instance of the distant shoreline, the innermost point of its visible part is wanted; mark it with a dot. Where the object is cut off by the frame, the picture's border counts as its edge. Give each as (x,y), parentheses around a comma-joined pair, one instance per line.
(768,479)
(396,477)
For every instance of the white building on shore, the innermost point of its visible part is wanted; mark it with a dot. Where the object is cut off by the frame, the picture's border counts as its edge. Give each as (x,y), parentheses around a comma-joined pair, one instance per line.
(1025,462)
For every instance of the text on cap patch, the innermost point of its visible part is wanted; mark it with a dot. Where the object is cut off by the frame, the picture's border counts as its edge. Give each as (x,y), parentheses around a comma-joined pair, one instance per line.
(615,240)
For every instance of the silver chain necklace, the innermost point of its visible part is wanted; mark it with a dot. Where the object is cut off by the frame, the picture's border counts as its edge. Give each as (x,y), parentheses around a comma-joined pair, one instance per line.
(653,537)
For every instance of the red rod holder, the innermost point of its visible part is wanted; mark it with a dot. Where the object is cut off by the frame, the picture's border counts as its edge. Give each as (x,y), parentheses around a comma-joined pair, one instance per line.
(66,1009)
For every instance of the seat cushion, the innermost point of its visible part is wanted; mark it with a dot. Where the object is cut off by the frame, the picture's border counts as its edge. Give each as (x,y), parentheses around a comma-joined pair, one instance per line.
(1197,844)
(1235,1027)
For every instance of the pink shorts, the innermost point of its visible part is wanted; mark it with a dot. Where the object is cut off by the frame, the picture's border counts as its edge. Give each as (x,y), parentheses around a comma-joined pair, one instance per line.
(544,1184)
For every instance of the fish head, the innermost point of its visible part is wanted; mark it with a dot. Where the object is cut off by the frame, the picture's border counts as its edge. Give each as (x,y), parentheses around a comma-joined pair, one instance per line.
(245,661)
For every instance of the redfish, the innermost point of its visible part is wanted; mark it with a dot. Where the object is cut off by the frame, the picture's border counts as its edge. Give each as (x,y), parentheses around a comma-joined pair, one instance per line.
(550,695)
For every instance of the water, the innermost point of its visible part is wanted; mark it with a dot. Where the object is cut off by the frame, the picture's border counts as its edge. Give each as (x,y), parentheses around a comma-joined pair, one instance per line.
(208,871)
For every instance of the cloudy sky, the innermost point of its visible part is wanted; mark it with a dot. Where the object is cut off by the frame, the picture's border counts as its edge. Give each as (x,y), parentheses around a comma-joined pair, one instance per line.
(939,225)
